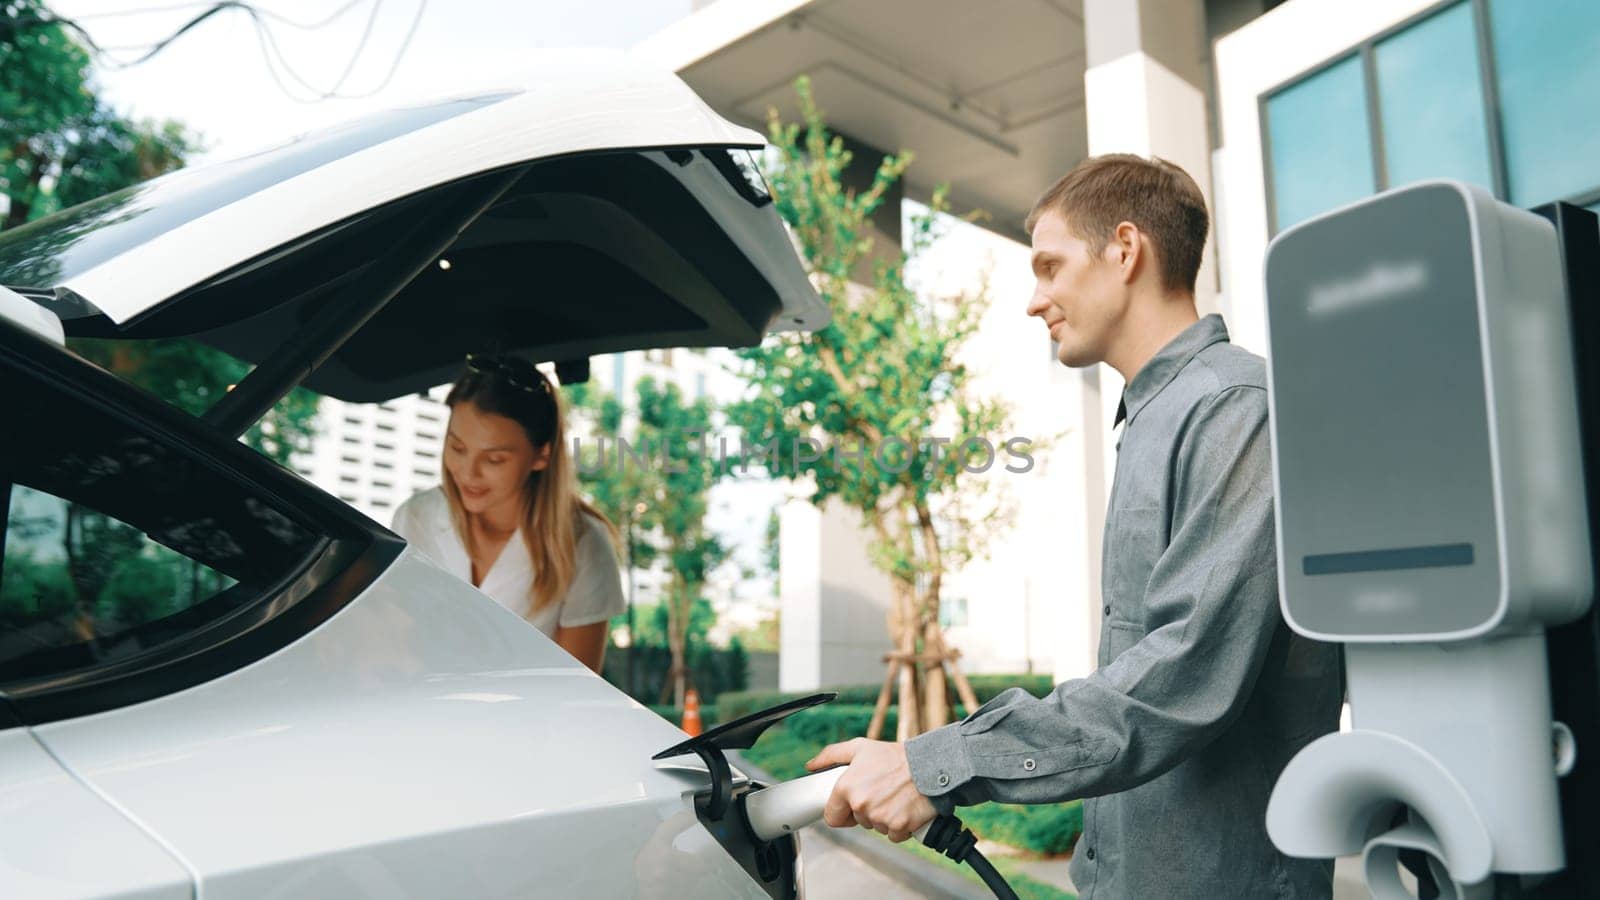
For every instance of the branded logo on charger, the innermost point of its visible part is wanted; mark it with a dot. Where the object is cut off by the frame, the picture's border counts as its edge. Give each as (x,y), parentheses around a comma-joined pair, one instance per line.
(1383,282)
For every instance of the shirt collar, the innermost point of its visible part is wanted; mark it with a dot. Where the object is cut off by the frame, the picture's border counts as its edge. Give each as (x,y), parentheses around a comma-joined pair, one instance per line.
(1167,363)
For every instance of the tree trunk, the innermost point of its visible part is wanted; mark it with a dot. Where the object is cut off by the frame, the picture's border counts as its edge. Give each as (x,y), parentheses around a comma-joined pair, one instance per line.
(677,638)
(908,726)
(936,706)
(880,711)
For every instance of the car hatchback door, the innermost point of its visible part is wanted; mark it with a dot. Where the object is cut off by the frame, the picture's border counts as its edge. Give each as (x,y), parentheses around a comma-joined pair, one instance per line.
(306,708)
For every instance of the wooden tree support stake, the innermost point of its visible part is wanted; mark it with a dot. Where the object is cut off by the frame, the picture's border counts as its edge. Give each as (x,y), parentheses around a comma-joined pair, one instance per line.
(881,711)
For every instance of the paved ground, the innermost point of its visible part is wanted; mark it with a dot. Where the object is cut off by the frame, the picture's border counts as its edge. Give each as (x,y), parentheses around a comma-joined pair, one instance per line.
(832,870)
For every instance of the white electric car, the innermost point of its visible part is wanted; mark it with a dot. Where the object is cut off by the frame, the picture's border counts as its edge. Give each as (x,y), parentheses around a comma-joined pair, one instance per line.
(219,681)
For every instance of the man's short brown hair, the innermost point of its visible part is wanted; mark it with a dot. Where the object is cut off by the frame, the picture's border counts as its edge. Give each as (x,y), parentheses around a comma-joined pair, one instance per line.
(1156,196)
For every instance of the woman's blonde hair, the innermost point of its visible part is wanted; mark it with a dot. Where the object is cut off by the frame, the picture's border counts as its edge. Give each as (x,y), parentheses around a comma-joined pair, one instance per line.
(552,508)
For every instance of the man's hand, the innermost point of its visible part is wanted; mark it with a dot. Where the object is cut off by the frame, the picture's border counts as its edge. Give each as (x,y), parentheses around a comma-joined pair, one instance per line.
(876,792)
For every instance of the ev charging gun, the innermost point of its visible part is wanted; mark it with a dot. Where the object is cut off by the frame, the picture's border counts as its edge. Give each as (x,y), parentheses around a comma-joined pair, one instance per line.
(785,808)
(782,809)
(775,813)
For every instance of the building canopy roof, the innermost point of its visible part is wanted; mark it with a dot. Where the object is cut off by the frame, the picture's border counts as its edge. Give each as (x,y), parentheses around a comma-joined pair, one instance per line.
(988,96)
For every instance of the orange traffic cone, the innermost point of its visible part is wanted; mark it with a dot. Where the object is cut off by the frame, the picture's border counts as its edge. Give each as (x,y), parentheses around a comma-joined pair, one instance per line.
(691,713)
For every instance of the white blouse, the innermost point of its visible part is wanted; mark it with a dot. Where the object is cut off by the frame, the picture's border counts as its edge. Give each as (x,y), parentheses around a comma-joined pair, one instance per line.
(595,594)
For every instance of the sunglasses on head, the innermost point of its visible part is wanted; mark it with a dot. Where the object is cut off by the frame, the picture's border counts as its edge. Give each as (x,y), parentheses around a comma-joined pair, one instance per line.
(508,374)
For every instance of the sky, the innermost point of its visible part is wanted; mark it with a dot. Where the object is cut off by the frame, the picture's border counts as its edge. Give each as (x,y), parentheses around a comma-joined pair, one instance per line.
(216,78)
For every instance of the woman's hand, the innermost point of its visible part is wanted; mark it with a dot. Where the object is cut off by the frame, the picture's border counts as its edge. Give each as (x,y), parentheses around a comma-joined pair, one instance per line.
(587,643)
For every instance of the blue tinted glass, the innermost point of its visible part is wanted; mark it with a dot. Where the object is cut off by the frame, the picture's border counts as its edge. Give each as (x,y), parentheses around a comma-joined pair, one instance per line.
(1430,97)
(1321,146)
(53,249)
(1547,62)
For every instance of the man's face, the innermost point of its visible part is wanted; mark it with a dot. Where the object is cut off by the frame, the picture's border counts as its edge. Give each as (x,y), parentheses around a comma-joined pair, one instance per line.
(1081,296)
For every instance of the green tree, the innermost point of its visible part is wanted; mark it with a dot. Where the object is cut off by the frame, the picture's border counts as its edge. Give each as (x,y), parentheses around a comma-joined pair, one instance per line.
(193,376)
(881,380)
(651,467)
(60,144)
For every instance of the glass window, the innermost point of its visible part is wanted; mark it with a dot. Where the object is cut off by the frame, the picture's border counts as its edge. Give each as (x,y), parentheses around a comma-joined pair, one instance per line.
(1547,63)
(116,544)
(1430,99)
(1321,147)
(953,612)
(91,233)
(73,574)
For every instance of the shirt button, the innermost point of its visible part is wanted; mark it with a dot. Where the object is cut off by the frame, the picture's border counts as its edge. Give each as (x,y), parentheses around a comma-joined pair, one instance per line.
(1090,854)
(944,780)
(1108,609)
(1028,765)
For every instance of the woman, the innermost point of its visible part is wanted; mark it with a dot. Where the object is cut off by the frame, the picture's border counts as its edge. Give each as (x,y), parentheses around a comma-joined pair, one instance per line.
(508,517)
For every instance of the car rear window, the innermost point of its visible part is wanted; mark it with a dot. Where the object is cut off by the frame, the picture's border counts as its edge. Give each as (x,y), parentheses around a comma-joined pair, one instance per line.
(43,254)
(145,553)
(114,544)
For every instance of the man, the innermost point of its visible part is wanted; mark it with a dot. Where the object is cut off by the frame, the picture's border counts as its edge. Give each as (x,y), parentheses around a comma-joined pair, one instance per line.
(1202,694)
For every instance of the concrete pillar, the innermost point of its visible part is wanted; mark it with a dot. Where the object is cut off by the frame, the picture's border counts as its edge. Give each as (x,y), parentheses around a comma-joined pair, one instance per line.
(833,628)
(1144,93)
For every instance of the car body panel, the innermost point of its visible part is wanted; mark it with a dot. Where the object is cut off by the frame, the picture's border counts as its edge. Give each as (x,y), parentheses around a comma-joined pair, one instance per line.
(107,855)
(423,742)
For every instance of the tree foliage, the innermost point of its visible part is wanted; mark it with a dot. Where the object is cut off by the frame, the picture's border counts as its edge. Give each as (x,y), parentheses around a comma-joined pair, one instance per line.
(60,144)
(193,376)
(880,389)
(649,471)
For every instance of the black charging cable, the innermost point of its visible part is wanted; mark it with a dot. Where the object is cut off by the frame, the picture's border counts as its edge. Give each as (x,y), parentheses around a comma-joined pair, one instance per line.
(947,836)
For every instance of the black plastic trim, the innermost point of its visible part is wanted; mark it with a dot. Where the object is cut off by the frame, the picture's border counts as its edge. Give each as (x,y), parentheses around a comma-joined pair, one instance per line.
(1431,557)
(352,552)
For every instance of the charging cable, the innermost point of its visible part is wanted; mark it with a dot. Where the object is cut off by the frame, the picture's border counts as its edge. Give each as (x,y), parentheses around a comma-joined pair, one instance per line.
(946,835)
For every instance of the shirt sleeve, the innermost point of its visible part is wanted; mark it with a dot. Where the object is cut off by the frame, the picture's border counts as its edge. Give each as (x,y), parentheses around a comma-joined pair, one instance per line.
(596,591)
(1211,609)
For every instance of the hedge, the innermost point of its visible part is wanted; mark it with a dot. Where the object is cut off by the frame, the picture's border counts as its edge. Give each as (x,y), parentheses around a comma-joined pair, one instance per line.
(708,714)
(741,703)
(1049,829)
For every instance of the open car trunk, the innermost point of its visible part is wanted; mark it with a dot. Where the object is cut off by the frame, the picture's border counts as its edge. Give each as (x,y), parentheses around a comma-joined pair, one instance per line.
(597,207)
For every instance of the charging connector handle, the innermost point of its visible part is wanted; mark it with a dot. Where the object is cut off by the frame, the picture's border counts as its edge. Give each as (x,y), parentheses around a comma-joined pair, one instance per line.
(785,808)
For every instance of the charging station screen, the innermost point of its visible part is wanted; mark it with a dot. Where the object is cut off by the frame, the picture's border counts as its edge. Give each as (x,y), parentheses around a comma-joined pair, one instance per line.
(1386,503)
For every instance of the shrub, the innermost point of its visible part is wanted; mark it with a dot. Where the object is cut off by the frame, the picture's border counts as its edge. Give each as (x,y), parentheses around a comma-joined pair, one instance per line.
(1048,829)
(712,670)
(781,754)
(708,714)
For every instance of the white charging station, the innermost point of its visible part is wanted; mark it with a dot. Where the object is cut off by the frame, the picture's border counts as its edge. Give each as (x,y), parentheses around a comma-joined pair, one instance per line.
(1431,518)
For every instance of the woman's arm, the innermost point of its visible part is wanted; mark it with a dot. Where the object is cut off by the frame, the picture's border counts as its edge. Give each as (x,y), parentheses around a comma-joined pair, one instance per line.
(585,642)
(596,593)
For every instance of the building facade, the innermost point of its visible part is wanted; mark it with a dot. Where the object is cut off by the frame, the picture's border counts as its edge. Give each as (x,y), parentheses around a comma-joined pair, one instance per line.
(1280,110)
(375,456)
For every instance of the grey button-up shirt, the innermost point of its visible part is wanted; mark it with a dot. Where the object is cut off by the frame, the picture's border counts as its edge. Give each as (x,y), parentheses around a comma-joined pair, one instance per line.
(1202,694)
